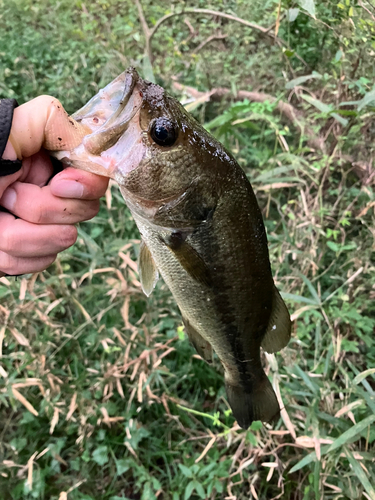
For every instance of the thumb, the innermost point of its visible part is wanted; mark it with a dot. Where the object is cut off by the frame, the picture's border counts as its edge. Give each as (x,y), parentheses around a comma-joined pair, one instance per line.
(43,122)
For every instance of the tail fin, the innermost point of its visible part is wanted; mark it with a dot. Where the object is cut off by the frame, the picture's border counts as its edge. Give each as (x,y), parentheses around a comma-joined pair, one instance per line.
(260,403)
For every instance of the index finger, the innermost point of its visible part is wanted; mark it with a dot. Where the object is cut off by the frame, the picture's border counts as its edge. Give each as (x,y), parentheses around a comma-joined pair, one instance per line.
(43,122)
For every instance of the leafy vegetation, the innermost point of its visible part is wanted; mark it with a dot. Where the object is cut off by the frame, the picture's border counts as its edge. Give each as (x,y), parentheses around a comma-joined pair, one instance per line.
(102,397)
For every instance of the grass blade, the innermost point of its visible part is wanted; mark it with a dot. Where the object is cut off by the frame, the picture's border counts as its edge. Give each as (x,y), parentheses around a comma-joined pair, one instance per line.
(343,439)
(312,290)
(298,298)
(363,375)
(351,433)
(360,473)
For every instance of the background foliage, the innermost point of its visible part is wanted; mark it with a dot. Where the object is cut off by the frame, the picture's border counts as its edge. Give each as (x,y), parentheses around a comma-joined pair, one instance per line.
(101,396)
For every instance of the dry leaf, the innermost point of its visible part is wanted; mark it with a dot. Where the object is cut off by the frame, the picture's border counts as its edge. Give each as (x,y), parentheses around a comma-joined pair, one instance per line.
(24,401)
(54,420)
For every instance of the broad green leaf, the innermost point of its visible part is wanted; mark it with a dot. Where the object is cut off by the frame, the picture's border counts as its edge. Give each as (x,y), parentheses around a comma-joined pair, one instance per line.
(100,455)
(291,14)
(333,246)
(324,108)
(200,490)
(340,119)
(308,6)
(360,473)
(301,79)
(185,471)
(122,465)
(147,493)
(368,99)
(256,425)
(338,55)
(189,489)
(289,52)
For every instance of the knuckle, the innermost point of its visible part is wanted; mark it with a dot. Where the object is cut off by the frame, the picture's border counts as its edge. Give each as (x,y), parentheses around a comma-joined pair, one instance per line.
(8,264)
(94,208)
(48,100)
(68,236)
(7,240)
(47,262)
(88,210)
(38,213)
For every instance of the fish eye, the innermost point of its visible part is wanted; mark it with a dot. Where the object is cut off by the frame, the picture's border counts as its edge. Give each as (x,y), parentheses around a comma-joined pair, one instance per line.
(164,132)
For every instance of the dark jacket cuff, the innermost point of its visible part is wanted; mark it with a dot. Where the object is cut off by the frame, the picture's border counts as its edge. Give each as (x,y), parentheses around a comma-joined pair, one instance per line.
(7,167)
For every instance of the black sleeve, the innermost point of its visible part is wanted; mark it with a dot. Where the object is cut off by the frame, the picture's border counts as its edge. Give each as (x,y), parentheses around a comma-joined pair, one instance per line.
(7,167)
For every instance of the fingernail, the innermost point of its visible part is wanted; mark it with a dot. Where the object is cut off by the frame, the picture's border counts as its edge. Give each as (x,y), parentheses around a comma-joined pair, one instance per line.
(68,189)
(9,198)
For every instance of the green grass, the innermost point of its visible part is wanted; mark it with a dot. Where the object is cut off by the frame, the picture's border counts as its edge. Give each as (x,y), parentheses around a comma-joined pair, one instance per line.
(101,395)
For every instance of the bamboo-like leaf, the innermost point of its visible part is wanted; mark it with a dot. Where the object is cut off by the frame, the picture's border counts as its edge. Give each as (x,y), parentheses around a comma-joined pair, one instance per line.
(342,440)
(298,298)
(324,108)
(308,382)
(340,119)
(358,379)
(301,79)
(351,433)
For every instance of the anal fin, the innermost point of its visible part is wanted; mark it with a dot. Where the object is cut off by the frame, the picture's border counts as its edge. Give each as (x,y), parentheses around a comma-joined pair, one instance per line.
(278,331)
(203,348)
(148,272)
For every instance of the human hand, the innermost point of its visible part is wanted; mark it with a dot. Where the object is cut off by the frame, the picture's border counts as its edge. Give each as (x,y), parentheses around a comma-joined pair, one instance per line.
(46,212)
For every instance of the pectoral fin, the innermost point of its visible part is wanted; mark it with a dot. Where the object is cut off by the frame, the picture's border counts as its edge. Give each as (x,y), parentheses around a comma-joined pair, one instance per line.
(148,272)
(279,327)
(203,348)
(189,258)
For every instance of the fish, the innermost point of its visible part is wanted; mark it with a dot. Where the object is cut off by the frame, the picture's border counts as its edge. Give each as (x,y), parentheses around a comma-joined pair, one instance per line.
(201,230)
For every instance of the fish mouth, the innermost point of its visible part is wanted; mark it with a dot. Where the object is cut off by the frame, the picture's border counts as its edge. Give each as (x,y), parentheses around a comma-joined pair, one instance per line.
(114,146)
(109,110)
(128,79)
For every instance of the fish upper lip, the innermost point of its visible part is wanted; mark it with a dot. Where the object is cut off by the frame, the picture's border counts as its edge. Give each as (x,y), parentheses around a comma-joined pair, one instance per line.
(108,133)
(131,80)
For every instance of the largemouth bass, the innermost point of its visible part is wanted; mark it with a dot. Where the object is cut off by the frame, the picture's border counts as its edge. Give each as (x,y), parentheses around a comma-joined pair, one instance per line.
(201,228)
